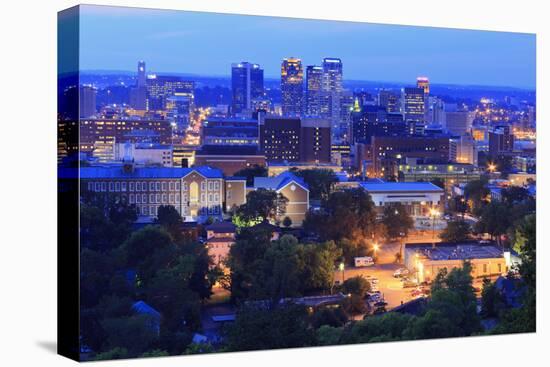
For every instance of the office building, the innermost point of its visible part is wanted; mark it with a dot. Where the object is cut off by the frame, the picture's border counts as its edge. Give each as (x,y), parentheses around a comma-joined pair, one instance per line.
(450,173)
(389,100)
(374,120)
(161,87)
(148,154)
(424,83)
(459,123)
(229,158)
(247,84)
(315,144)
(179,108)
(501,140)
(230,131)
(332,86)
(414,107)
(314,80)
(292,88)
(87,101)
(138,94)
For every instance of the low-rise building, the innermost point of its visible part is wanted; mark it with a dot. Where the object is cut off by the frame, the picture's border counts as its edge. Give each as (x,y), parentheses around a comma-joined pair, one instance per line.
(291,187)
(219,238)
(418,198)
(425,260)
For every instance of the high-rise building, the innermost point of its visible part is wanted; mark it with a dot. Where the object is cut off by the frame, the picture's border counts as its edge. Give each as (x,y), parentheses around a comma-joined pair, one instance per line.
(424,83)
(247,84)
(374,120)
(161,87)
(501,140)
(314,80)
(459,123)
(332,87)
(292,89)
(414,108)
(138,94)
(87,103)
(291,139)
(388,100)
(179,107)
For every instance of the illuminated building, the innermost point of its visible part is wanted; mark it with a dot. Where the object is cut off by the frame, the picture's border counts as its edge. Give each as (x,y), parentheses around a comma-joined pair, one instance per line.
(160,87)
(450,173)
(229,158)
(332,87)
(247,83)
(286,139)
(414,106)
(389,100)
(179,107)
(292,89)
(424,83)
(230,131)
(314,79)
(149,154)
(463,149)
(373,120)
(501,140)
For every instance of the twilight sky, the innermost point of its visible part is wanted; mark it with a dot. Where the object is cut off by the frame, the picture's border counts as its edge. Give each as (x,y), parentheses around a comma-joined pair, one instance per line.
(207,44)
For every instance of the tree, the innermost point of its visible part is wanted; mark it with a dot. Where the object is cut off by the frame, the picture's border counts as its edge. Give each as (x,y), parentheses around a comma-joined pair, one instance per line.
(131,333)
(492,301)
(438,182)
(262,204)
(396,220)
(476,191)
(258,328)
(287,222)
(357,285)
(495,220)
(456,231)
(329,335)
(514,194)
(345,214)
(387,327)
(250,172)
(328,316)
(169,218)
(320,182)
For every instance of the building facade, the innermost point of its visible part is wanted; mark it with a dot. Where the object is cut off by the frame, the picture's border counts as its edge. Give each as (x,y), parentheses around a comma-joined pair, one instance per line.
(247,84)
(292,88)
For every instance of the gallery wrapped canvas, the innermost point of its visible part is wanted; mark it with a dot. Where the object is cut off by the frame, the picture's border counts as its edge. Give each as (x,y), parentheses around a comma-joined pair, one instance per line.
(235,183)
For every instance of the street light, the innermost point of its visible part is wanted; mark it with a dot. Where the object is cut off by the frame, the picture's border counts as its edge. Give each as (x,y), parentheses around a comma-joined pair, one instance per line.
(375,247)
(492,167)
(342,267)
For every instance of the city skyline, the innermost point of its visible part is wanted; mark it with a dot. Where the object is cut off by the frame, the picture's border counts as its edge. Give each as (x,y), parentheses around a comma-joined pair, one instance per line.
(447,56)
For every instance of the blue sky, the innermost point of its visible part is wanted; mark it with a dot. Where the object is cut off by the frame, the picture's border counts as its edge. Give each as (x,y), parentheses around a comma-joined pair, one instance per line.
(207,44)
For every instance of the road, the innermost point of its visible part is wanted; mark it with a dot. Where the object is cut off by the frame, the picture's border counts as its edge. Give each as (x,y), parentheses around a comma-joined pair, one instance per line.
(389,287)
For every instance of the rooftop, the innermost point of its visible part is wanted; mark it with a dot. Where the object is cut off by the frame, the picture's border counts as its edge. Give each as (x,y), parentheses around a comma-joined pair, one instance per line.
(146,172)
(400,186)
(455,251)
(279,181)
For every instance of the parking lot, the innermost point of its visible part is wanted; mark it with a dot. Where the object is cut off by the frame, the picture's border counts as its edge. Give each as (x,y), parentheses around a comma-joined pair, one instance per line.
(390,288)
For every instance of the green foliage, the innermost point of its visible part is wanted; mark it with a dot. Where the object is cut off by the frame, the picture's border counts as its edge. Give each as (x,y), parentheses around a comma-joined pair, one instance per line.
(396,220)
(132,333)
(492,301)
(328,316)
(495,219)
(320,182)
(345,214)
(387,327)
(281,327)
(154,353)
(115,353)
(199,348)
(456,231)
(261,204)
(169,218)
(287,222)
(328,335)
(358,286)
(476,191)
(251,172)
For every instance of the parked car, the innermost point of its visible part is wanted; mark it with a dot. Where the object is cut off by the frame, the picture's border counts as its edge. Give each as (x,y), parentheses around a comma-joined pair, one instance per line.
(408,283)
(363,261)
(401,272)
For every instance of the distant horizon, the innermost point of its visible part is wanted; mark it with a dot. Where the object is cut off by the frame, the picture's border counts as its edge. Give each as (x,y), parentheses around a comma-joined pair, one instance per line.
(201,43)
(275,78)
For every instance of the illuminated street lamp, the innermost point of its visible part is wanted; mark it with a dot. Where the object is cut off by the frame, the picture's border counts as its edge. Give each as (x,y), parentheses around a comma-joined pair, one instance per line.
(342,267)
(375,247)
(492,167)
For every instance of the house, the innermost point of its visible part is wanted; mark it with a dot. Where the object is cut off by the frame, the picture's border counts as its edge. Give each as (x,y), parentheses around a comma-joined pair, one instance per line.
(219,238)
(152,316)
(291,187)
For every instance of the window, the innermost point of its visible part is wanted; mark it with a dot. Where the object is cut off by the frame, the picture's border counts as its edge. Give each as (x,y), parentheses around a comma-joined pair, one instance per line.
(151,186)
(144,186)
(90,186)
(138,198)
(131,198)
(202,198)
(151,210)
(123,186)
(103,186)
(178,185)
(117,186)
(216,185)
(164,186)
(177,198)
(500,268)
(184,186)
(143,198)
(157,186)
(216,197)
(484,268)
(171,186)
(210,185)
(111,186)
(209,198)
(229,196)
(157,198)
(164,198)
(203,186)
(151,198)
(97,186)
(171,198)
(144,210)
(131,186)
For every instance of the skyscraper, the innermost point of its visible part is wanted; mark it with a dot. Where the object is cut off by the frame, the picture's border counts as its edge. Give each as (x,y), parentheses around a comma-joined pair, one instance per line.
(138,94)
(247,83)
(389,100)
(414,108)
(161,87)
(424,83)
(87,103)
(292,90)
(314,79)
(332,95)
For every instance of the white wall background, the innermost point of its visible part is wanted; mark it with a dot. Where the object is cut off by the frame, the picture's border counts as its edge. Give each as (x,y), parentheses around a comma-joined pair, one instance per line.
(28,181)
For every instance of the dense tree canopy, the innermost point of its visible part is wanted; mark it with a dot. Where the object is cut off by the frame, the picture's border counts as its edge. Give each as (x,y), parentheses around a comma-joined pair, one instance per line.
(456,231)
(250,172)
(261,204)
(320,182)
(397,221)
